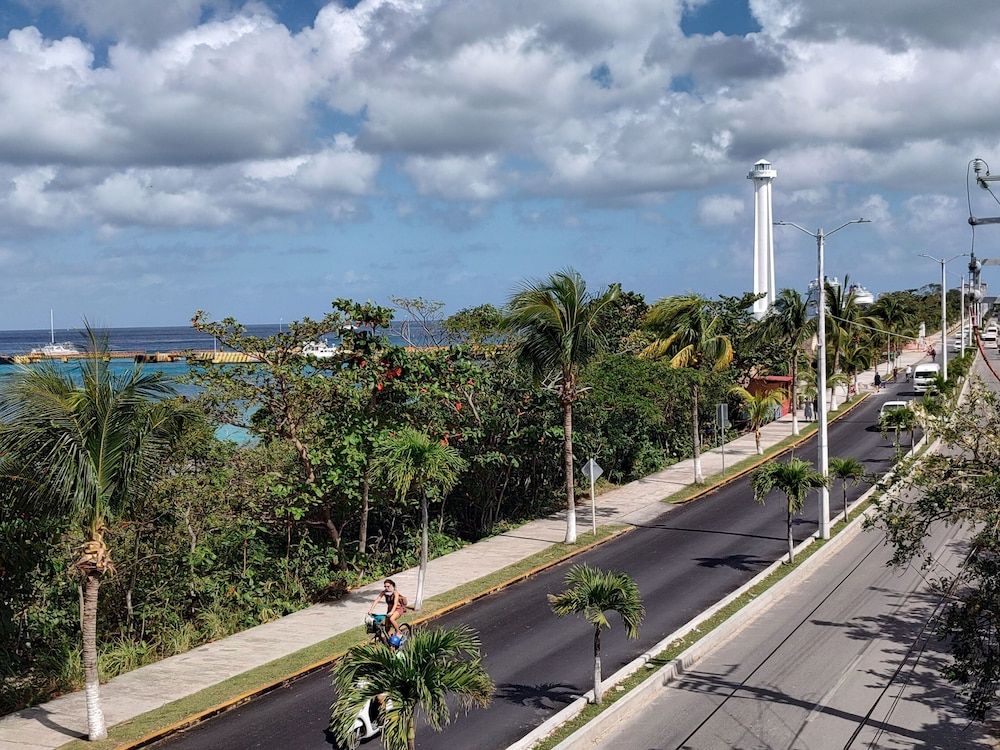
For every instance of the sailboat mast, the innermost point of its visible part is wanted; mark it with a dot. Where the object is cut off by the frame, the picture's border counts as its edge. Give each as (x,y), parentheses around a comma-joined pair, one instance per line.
(52,327)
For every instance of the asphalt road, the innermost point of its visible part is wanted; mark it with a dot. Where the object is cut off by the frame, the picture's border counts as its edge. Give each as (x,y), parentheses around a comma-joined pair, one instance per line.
(806,673)
(684,561)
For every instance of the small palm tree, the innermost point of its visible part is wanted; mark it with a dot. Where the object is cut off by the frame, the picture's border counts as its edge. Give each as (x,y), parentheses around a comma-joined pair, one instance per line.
(759,408)
(591,593)
(557,330)
(690,335)
(794,479)
(789,321)
(86,448)
(434,665)
(846,469)
(898,421)
(411,460)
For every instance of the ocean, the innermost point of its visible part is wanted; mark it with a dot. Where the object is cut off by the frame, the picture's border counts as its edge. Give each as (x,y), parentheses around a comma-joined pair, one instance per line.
(151,339)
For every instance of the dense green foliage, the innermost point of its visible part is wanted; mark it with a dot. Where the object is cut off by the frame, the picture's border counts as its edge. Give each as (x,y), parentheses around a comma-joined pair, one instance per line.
(228,536)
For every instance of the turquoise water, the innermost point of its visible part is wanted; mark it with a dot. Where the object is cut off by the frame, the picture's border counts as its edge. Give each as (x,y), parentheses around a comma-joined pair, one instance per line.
(171,370)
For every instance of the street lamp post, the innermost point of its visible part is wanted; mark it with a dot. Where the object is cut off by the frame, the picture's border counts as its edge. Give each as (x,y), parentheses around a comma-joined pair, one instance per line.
(824,452)
(961,314)
(944,309)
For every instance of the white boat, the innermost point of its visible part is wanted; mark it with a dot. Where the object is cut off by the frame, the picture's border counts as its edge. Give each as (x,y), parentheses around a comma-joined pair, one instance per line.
(861,295)
(52,349)
(321,349)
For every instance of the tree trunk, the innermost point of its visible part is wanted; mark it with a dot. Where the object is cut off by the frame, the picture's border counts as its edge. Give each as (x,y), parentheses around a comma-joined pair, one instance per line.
(844,484)
(422,572)
(795,393)
(95,716)
(567,406)
(756,438)
(699,478)
(366,483)
(411,735)
(598,695)
(791,542)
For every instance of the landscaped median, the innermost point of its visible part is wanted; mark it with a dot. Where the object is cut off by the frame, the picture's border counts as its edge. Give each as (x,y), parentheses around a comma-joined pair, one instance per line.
(158,723)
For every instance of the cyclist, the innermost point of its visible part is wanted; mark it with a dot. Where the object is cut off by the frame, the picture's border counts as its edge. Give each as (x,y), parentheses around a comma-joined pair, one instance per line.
(395,605)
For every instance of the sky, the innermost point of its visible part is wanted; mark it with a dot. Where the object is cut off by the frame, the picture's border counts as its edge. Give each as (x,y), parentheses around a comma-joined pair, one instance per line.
(259,159)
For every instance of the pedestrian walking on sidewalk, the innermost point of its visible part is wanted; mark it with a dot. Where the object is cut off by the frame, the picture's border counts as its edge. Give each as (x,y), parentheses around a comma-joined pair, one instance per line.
(878,382)
(909,373)
(808,411)
(933,353)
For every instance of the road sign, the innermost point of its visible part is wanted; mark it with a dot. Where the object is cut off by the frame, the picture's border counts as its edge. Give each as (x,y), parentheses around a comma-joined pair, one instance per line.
(591,470)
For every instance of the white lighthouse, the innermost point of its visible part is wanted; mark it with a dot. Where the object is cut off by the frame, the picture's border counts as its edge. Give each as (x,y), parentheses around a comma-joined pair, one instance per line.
(763,174)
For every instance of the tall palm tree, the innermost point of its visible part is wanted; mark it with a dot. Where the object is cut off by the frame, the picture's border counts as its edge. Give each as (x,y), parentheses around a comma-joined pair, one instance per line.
(794,479)
(789,321)
(896,318)
(846,469)
(855,359)
(410,460)
(592,593)
(846,319)
(759,408)
(690,335)
(84,445)
(435,665)
(557,331)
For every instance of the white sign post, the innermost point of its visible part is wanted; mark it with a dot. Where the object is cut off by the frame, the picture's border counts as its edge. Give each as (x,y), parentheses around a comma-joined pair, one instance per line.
(592,471)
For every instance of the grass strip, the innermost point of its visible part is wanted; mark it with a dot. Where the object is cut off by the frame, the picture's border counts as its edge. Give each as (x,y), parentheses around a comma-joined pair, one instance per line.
(714,481)
(247,685)
(675,649)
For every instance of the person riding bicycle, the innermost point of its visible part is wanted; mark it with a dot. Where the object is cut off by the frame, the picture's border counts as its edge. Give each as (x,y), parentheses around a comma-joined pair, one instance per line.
(395,605)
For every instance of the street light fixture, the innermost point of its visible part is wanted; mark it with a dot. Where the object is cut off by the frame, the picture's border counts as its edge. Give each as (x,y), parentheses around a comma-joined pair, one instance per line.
(944,309)
(824,451)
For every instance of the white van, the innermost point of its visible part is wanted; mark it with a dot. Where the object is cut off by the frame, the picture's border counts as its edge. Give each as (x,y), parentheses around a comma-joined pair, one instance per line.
(924,375)
(990,332)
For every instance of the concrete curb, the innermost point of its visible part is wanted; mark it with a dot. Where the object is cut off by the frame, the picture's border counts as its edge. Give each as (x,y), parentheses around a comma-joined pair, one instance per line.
(614,713)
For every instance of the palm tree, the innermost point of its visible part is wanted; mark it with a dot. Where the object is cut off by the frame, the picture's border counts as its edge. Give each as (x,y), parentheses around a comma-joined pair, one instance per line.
(899,420)
(557,331)
(789,321)
(85,449)
(411,460)
(760,410)
(896,318)
(845,469)
(794,479)
(688,333)
(434,665)
(592,593)
(855,359)
(846,319)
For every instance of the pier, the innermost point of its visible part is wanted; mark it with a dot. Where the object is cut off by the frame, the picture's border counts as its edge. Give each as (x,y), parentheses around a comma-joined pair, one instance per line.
(190,356)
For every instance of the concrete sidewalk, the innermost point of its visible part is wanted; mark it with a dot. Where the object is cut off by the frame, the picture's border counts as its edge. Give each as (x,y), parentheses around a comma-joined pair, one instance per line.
(52,724)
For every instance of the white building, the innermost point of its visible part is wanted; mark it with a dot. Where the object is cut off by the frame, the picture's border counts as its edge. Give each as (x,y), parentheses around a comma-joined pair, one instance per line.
(763,174)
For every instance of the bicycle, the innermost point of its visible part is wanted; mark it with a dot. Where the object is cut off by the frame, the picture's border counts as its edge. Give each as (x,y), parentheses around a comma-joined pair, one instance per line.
(378,627)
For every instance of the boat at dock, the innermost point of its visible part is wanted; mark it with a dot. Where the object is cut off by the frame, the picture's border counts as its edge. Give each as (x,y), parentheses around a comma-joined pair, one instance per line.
(53,349)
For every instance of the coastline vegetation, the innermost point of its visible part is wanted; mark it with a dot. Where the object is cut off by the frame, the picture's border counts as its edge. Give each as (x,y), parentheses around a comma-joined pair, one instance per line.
(226,537)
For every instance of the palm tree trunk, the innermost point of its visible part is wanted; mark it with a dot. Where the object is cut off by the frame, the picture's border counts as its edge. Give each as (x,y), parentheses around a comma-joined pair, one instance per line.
(795,393)
(366,483)
(756,438)
(598,695)
(411,734)
(567,405)
(791,542)
(95,716)
(422,572)
(844,484)
(699,478)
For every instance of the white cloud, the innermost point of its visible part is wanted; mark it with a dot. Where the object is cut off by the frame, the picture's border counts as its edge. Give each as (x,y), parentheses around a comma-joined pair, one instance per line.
(456,177)
(720,209)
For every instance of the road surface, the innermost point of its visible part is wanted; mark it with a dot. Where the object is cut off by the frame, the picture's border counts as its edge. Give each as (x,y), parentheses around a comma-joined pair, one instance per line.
(683,561)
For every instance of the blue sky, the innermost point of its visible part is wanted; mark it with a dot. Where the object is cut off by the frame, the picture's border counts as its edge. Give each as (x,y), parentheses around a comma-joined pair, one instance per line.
(260,159)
